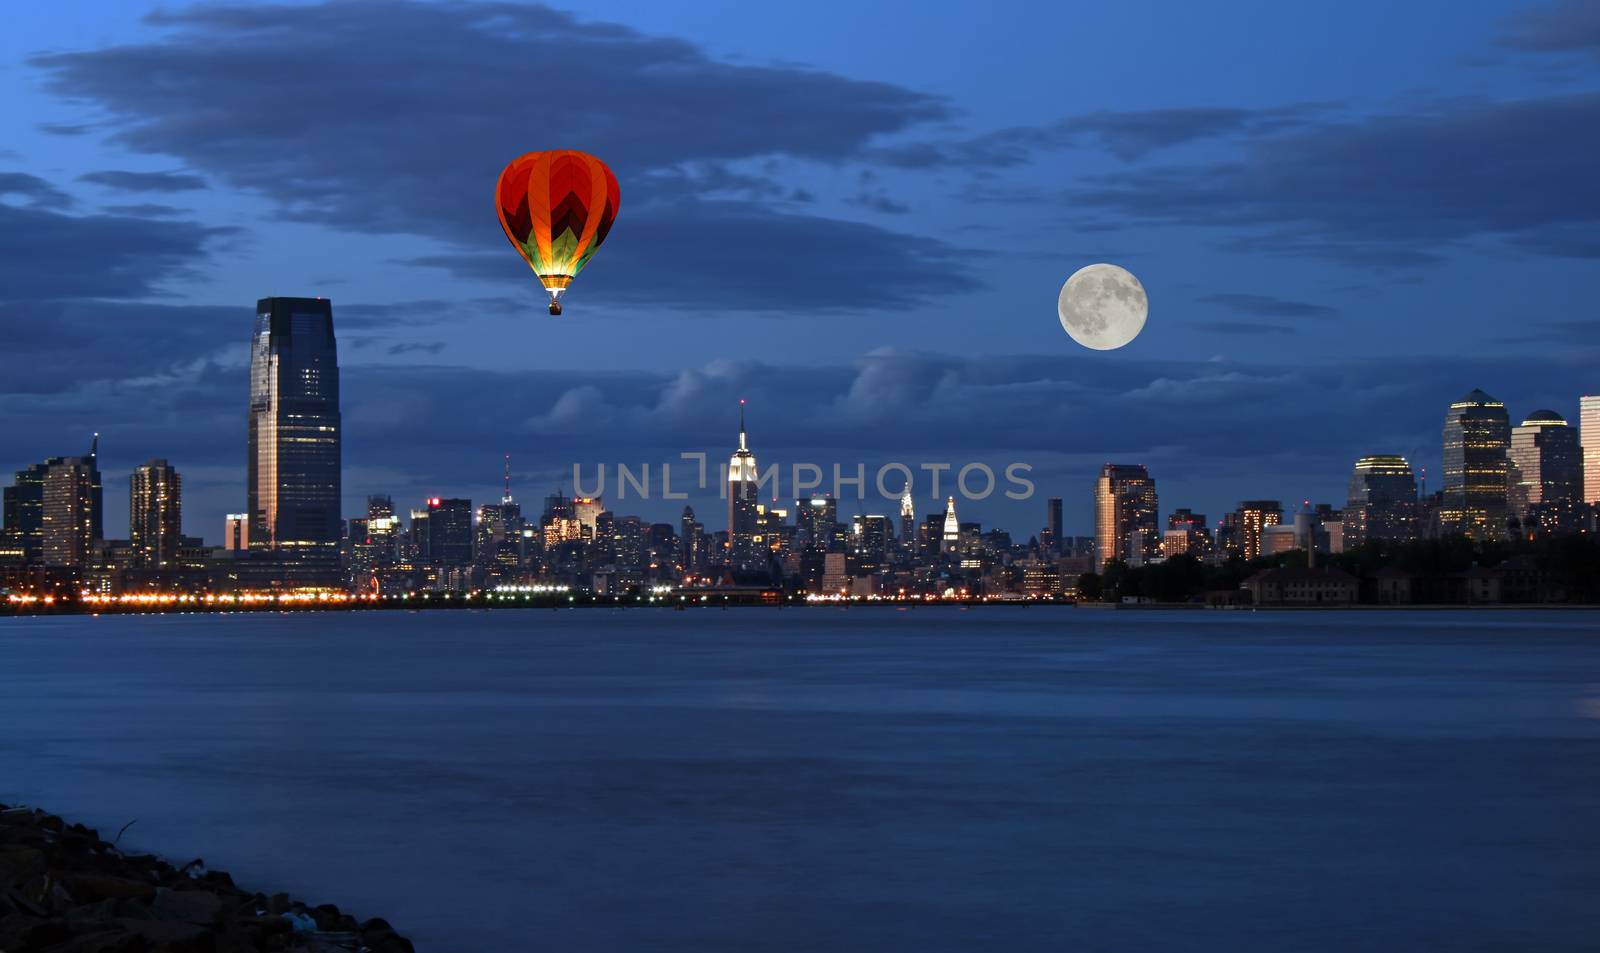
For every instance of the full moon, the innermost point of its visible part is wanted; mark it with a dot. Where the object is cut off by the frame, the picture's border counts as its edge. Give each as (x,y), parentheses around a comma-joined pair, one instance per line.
(1102,306)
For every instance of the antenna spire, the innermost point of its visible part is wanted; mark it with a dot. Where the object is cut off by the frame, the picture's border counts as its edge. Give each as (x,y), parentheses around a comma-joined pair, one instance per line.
(507,497)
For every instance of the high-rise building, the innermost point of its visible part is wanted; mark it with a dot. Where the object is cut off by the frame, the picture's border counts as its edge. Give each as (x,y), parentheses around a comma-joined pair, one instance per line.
(293,467)
(1546,463)
(1589,427)
(1251,520)
(1477,435)
(908,521)
(1052,525)
(869,544)
(70,510)
(24,510)
(744,524)
(1125,515)
(155,515)
(950,537)
(447,535)
(1382,502)
(691,534)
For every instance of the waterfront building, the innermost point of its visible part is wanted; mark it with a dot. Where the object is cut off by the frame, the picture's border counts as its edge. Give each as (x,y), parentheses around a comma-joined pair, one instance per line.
(1477,436)
(1251,520)
(1125,515)
(294,440)
(950,534)
(1382,501)
(691,539)
(24,510)
(1546,465)
(155,515)
(70,509)
(869,545)
(1589,437)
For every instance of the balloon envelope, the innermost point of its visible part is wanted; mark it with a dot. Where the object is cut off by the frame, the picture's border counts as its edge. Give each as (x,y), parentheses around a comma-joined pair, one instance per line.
(556,208)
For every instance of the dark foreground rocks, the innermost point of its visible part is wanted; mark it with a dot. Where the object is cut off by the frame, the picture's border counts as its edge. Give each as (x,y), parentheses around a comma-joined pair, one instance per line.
(64,890)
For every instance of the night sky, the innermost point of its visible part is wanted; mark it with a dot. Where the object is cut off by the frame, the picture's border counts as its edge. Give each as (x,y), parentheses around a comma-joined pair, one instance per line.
(857,216)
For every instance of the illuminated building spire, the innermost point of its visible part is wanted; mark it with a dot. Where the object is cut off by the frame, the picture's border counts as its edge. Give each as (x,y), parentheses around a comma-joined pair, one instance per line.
(742,445)
(506,498)
(952,526)
(908,509)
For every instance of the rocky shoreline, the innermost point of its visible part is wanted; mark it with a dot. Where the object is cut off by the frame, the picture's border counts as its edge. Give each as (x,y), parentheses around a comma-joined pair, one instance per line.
(65,890)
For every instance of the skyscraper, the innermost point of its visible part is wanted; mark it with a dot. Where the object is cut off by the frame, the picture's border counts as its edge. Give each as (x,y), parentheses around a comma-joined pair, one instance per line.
(908,521)
(293,466)
(1251,520)
(950,539)
(447,537)
(1125,515)
(1052,524)
(744,525)
(1589,425)
(1382,502)
(1546,463)
(24,510)
(70,509)
(155,515)
(1477,434)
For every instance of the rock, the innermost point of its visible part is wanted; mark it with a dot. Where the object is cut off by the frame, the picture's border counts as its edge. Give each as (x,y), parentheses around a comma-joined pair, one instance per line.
(190,906)
(88,886)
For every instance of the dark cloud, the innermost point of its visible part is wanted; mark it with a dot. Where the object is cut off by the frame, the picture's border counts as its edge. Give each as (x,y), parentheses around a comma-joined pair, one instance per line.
(146,181)
(1129,135)
(1565,27)
(1392,190)
(415,347)
(32,190)
(396,117)
(1243,328)
(754,259)
(47,255)
(148,210)
(1266,306)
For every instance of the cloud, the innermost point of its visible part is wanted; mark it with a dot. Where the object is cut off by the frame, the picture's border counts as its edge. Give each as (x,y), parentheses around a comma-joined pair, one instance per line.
(1129,135)
(1565,27)
(696,255)
(34,191)
(1266,306)
(1390,190)
(344,137)
(48,255)
(146,181)
(1243,328)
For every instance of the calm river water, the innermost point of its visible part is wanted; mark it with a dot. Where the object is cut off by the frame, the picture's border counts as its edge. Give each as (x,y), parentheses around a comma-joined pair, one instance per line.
(847,779)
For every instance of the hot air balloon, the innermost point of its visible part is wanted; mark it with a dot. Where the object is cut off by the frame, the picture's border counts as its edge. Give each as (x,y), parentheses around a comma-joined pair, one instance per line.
(557,207)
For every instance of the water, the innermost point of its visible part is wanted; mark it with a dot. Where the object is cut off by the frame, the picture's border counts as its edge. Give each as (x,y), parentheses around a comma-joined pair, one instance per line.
(787,780)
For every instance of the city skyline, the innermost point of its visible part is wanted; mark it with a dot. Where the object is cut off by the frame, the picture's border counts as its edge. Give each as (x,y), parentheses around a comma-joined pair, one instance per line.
(859,294)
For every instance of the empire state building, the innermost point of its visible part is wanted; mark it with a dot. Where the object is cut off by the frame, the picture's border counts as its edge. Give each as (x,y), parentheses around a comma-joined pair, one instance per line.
(745,552)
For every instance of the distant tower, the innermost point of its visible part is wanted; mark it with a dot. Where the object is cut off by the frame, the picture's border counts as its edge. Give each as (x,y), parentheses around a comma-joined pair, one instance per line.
(744,520)
(1052,515)
(951,537)
(908,519)
(293,466)
(1477,436)
(155,514)
(506,496)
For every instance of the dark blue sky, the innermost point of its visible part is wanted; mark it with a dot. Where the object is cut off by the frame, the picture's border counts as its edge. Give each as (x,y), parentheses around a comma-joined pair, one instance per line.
(858,216)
